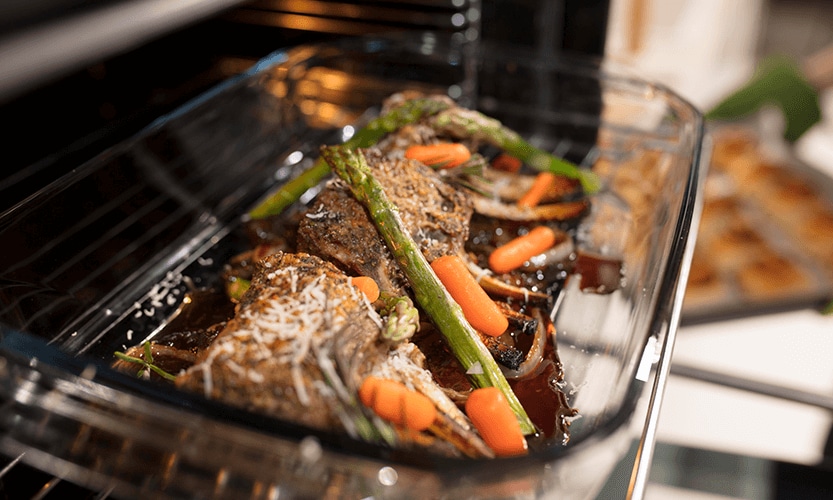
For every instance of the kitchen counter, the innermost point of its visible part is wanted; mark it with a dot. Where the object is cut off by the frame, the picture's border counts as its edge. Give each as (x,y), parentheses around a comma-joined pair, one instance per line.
(716,442)
(789,350)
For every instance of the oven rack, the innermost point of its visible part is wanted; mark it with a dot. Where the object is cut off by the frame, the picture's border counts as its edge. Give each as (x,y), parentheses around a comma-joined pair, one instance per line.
(100,226)
(19,480)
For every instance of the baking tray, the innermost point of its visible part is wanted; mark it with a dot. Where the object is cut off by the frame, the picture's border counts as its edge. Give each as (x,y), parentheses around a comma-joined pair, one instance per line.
(101,259)
(766,236)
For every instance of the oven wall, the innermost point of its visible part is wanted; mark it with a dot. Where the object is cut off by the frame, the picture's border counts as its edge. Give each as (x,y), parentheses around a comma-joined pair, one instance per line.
(55,124)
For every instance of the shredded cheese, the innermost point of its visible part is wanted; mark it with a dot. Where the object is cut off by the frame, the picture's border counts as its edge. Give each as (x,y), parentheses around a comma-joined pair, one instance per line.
(285,330)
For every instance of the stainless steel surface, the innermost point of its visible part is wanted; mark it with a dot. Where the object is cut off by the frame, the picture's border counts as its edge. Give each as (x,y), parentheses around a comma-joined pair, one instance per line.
(35,52)
(793,394)
(48,49)
(355,18)
(20,481)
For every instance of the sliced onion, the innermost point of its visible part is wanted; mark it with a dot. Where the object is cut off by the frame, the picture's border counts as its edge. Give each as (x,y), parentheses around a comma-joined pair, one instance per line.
(559,253)
(536,351)
(494,286)
(503,185)
(552,211)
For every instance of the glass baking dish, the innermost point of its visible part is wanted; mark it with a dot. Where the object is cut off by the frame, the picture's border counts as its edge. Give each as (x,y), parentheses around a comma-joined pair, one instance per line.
(101,259)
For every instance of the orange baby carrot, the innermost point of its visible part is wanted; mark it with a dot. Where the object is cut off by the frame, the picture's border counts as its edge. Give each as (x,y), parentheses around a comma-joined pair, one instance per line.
(544,182)
(478,308)
(489,411)
(506,163)
(419,411)
(387,401)
(397,404)
(367,391)
(513,254)
(442,155)
(368,286)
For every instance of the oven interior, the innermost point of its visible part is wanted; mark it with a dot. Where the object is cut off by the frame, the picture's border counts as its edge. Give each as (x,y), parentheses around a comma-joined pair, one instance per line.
(100,107)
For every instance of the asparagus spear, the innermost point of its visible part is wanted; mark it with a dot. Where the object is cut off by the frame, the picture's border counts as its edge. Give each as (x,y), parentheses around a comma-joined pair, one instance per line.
(409,112)
(463,122)
(483,371)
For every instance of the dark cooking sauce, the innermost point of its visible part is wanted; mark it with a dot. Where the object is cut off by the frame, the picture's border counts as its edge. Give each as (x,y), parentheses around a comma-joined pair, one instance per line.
(545,403)
(599,274)
(190,329)
(539,392)
(486,234)
(197,321)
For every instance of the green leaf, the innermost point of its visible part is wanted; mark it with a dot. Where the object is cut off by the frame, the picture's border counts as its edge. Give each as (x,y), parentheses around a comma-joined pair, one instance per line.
(778,81)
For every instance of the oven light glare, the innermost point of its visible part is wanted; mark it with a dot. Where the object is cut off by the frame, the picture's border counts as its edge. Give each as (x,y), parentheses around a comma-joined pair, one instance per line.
(294,157)
(347,132)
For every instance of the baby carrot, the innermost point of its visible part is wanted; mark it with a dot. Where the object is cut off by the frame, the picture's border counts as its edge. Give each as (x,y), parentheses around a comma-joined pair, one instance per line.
(397,404)
(387,400)
(544,182)
(367,391)
(368,286)
(478,308)
(513,254)
(506,163)
(491,415)
(420,411)
(442,155)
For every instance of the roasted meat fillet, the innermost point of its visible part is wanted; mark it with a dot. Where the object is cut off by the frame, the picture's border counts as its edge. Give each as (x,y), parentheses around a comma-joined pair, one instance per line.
(269,357)
(338,228)
(302,339)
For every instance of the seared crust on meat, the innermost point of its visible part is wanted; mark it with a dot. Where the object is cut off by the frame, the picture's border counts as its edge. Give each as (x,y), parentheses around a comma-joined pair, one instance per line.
(338,228)
(269,357)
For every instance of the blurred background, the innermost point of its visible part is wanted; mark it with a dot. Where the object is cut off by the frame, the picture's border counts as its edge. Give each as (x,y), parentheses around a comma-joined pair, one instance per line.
(748,409)
(747,412)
